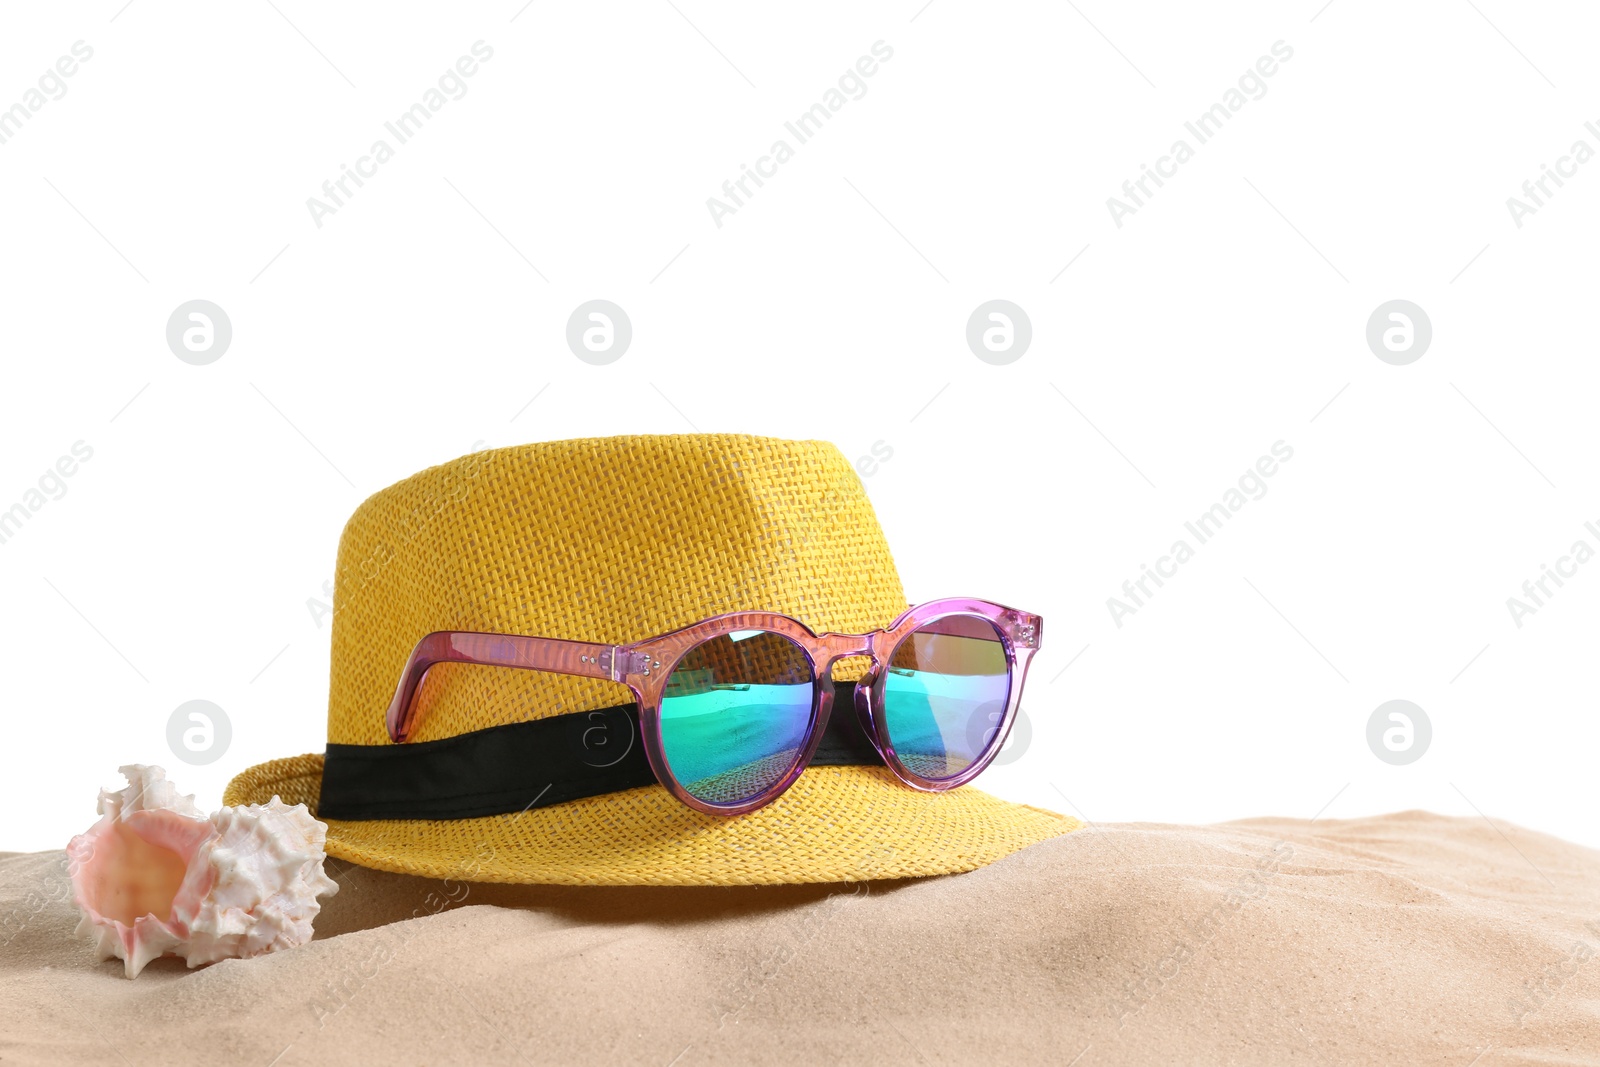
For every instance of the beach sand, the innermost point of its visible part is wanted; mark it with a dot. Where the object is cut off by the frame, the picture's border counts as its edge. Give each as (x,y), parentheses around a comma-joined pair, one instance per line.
(1405,939)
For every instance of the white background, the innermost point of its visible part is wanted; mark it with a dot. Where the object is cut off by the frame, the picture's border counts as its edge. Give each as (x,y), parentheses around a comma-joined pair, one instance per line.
(1227,314)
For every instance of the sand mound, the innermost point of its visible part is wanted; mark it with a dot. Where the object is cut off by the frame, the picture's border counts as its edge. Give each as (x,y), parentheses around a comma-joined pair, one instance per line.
(1405,939)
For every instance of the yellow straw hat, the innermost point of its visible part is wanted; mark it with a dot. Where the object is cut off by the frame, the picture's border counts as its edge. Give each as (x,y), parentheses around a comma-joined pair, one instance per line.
(615,540)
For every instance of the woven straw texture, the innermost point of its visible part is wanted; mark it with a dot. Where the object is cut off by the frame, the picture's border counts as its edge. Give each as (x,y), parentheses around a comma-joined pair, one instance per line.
(614,540)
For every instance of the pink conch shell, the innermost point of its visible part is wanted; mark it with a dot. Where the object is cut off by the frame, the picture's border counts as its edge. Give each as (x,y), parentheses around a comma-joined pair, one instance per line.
(155,877)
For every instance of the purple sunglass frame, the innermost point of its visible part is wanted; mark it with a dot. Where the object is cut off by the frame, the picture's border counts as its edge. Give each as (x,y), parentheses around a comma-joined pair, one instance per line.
(644,667)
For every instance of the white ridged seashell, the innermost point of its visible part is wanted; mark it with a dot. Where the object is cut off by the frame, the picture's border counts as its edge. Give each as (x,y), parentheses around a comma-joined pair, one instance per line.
(155,877)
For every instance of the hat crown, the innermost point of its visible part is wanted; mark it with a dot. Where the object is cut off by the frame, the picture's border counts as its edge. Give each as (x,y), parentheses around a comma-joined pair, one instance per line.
(611,540)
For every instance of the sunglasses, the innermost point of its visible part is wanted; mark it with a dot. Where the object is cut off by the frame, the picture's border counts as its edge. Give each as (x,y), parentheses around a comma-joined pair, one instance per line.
(732,709)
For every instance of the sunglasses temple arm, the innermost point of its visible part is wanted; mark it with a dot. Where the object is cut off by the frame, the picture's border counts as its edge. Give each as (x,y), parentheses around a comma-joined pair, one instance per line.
(581,658)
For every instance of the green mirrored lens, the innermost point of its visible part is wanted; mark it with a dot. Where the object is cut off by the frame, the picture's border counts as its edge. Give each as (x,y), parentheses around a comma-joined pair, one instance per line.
(734,715)
(944,696)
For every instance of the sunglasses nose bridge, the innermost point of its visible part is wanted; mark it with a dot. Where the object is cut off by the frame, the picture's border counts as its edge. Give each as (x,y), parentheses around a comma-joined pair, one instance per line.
(845,646)
(840,646)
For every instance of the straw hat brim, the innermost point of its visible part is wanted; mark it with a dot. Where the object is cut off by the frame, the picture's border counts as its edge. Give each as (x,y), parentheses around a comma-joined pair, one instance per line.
(835,824)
